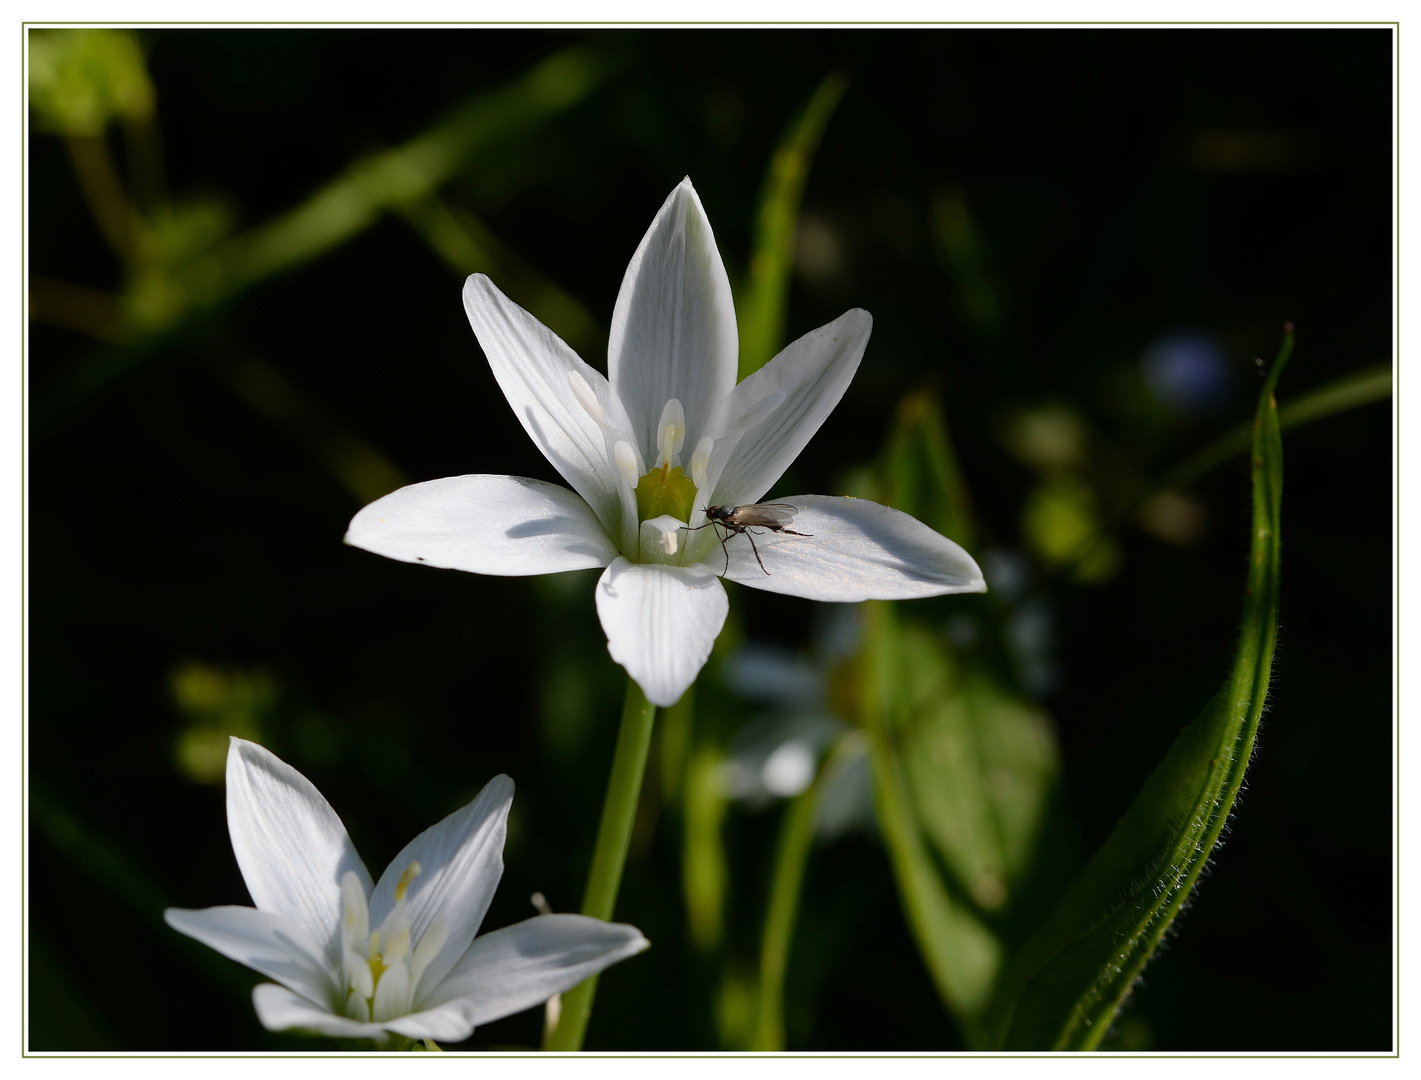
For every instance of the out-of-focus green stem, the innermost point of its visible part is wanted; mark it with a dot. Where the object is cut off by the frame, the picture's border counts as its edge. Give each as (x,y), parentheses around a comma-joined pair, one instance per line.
(108,201)
(610,855)
(1359,388)
(463,242)
(677,724)
(1362,387)
(360,468)
(704,874)
(791,860)
(410,172)
(332,215)
(766,295)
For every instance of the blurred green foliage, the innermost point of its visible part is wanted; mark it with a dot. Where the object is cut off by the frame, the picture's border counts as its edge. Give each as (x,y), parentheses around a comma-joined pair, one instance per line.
(245,256)
(218,705)
(83,80)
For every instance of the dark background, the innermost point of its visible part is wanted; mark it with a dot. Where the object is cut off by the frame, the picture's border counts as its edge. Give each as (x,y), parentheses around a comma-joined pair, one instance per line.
(1123,185)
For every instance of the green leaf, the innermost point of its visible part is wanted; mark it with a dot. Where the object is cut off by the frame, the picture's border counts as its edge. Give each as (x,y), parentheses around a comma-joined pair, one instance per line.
(962,953)
(963,767)
(981,764)
(1068,982)
(765,297)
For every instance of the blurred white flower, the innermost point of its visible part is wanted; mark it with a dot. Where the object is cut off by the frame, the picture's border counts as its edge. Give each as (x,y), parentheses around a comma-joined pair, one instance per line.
(363,960)
(647,449)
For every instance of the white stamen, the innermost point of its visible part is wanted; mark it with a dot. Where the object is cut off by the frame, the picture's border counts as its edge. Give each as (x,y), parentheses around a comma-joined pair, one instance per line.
(412,871)
(394,936)
(761,409)
(670,530)
(700,461)
(626,463)
(354,934)
(429,945)
(671,432)
(587,398)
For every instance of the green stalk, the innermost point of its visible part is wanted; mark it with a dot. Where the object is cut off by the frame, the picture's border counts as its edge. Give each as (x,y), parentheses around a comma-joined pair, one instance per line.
(610,855)
(791,859)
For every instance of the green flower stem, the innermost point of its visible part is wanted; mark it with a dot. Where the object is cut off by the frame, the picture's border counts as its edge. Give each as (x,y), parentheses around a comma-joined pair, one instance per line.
(791,859)
(610,855)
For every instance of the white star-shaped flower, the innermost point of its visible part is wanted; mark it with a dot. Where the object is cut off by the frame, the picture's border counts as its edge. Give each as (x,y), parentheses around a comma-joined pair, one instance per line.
(361,960)
(648,449)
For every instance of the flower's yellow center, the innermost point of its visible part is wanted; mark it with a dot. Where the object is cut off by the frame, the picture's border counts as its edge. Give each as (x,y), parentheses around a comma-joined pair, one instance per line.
(665,490)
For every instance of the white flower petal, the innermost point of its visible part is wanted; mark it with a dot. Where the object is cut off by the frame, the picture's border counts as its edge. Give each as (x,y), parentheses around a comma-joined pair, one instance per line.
(532,366)
(858,550)
(450,1022)
(523,965)
(290,845)
(265,942)
(661,622)
(506,525)
(461,861)
(673,327)
(280,1010)
(812,374)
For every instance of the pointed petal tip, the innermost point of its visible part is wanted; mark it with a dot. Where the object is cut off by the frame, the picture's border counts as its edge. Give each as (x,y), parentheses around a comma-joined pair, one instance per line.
(476,290)
(505,786)
(239,748)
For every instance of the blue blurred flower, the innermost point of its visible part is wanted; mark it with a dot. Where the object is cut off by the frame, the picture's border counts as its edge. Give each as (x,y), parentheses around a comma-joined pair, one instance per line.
(1188,371)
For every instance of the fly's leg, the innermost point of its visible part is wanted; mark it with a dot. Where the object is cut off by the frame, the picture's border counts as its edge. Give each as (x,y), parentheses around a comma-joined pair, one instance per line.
(756,550)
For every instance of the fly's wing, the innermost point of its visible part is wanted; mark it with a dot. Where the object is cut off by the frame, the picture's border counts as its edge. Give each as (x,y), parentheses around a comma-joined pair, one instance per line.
(768,515)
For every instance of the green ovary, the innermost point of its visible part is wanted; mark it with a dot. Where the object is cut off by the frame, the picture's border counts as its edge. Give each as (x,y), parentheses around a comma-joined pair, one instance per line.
(665,490)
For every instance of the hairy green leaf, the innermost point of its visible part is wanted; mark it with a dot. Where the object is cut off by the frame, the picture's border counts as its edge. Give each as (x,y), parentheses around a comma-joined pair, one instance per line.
(1068,982)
